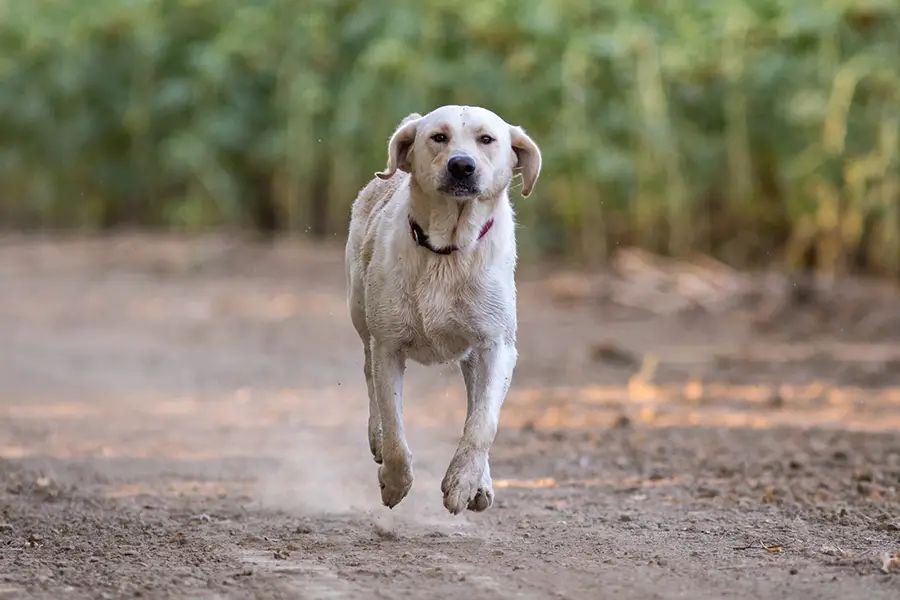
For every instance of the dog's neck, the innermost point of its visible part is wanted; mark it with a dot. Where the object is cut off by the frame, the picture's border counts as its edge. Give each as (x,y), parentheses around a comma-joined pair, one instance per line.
(449,222)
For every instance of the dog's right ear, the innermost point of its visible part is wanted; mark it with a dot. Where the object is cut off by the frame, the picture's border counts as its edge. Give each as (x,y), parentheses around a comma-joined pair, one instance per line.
(398,148)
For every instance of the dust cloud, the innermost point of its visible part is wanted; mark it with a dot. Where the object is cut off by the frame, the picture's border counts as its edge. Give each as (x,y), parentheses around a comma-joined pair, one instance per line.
(321,470)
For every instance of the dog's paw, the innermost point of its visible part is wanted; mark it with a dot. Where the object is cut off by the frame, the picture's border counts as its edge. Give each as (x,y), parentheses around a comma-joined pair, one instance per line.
(484,496)
(375,439)
(463,482)
(396,479)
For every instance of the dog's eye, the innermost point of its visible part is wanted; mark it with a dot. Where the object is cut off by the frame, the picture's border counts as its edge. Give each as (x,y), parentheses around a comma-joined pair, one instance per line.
(485,139)
(440,138)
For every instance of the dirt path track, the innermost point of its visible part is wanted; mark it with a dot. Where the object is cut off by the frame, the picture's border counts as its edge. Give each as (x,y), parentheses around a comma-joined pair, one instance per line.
(186,419)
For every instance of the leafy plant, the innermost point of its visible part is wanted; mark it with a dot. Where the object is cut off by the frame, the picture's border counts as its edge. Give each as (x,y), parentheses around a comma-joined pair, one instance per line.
(755,130)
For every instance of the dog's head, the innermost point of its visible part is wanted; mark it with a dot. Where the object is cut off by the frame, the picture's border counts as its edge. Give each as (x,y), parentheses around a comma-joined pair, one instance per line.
(464,152)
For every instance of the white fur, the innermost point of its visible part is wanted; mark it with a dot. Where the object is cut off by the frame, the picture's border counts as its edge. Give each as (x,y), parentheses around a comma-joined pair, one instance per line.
(407,302)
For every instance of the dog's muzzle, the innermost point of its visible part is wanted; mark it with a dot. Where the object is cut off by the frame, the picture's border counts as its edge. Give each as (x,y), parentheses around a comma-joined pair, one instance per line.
(460,179)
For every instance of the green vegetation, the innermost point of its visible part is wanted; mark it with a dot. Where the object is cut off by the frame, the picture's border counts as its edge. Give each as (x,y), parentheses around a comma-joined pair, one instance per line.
(755,130)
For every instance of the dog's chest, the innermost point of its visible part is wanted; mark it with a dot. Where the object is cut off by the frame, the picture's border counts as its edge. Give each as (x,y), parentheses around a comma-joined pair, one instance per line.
(447,320)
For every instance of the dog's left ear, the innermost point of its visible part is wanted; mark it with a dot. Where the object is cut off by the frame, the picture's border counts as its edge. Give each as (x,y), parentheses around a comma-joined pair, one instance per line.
(398,147)
(528,158)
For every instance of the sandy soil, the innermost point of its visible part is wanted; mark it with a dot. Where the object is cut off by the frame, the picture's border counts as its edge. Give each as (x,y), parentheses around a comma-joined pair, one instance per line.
(186,419)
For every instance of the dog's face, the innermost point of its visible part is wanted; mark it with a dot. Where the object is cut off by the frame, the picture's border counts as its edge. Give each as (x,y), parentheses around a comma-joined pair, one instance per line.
(463,152)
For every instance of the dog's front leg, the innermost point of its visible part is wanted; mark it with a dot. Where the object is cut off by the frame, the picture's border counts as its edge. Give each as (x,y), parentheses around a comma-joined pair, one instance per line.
(395,475)
(487,372)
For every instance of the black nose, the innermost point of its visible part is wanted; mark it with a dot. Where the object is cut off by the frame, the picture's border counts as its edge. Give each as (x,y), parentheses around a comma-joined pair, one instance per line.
(461,166)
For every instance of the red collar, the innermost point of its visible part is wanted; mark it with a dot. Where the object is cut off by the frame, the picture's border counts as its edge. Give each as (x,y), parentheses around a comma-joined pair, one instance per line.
(421,238)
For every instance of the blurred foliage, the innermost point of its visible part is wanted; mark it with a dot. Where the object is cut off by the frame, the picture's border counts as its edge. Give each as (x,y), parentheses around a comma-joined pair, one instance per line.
(755,130)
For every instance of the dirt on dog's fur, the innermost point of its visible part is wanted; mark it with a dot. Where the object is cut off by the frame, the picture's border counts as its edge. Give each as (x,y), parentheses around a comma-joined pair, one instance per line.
(187,419)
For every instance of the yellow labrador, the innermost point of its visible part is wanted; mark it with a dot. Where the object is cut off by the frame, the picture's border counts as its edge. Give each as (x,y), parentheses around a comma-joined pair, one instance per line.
(430,263)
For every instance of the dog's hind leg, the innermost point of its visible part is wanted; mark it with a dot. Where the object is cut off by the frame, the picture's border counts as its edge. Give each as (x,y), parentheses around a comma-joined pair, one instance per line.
(358,317)
(375,435)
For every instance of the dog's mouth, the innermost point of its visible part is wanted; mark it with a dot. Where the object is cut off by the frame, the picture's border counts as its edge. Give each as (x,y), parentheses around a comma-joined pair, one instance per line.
(459,189)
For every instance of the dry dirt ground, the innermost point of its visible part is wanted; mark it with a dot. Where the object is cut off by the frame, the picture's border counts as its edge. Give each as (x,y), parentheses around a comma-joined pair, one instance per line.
(186,419)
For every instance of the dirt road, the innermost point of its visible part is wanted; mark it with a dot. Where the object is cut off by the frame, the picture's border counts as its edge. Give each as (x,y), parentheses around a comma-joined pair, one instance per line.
(187,420)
